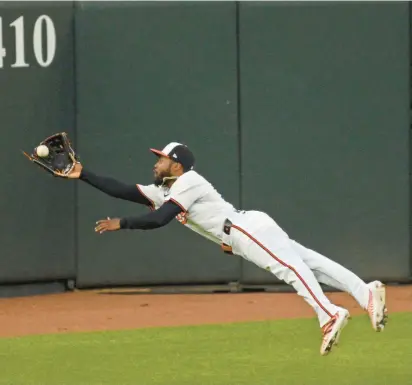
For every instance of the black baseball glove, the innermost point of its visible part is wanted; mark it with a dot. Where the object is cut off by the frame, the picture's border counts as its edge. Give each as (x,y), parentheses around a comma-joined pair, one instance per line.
(55,155)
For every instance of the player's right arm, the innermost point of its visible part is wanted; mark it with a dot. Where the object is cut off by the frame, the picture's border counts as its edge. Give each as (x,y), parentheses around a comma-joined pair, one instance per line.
(110,186)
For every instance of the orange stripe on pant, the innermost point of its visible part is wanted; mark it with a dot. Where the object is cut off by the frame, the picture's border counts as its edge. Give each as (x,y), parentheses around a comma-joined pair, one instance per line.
(284,264)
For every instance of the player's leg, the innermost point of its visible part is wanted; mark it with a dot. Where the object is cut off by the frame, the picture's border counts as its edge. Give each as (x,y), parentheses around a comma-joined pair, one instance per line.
(333,274)
(371,297)
(276,254)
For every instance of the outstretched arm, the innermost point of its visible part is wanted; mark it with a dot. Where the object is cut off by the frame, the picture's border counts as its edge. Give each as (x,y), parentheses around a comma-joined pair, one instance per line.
(153,220)
(110,186)
(114,188)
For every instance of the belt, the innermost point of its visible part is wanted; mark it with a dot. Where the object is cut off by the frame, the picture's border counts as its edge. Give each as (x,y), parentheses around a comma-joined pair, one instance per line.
(227,226)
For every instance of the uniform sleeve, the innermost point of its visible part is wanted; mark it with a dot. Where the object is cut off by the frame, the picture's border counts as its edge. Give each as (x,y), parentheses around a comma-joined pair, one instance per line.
(153,194)
(186,190)
(153,220)
(114,188)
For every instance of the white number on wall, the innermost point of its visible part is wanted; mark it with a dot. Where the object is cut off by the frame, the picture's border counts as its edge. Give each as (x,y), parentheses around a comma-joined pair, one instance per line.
(2,49)
(44,55)
(38,38)
(18,26)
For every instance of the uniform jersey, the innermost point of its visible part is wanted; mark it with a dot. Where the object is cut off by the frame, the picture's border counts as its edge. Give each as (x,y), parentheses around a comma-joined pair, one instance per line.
(203,208)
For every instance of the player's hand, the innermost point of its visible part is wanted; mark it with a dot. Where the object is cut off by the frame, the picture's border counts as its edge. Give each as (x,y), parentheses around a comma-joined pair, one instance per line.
(75,173)
(107,225)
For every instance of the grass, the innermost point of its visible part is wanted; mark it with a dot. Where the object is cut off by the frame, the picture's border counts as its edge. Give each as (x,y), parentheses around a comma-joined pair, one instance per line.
(259,353)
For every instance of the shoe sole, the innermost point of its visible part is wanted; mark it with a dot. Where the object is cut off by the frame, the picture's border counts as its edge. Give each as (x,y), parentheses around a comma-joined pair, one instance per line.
(336,336)
(340,331)
(380,326)
(382,312)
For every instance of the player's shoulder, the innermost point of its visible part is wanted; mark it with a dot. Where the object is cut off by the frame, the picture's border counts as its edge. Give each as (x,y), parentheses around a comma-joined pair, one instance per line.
(190,178)
(192,175)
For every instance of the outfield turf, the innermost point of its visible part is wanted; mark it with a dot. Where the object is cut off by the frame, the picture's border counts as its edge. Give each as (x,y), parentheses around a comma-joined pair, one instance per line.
(256,353)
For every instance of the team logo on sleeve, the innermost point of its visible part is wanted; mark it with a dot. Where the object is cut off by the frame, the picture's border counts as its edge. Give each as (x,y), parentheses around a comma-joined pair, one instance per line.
(182,217)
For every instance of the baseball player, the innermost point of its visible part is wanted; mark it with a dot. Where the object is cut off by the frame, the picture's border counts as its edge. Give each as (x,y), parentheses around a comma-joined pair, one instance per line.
(180,192)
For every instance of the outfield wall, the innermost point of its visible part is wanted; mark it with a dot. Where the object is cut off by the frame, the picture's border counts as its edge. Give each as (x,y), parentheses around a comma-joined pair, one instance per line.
(300,110)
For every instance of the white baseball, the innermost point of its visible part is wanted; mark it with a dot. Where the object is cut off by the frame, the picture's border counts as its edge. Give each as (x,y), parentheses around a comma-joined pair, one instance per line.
(42,151)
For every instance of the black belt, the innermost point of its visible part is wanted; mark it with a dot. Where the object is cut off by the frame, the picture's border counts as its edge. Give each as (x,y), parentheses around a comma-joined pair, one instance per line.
(227,226)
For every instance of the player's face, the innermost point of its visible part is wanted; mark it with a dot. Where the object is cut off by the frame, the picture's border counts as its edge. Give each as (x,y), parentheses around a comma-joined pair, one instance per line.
(162,169)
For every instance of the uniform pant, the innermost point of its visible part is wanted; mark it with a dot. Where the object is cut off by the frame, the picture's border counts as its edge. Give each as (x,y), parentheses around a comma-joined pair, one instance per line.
(256,237)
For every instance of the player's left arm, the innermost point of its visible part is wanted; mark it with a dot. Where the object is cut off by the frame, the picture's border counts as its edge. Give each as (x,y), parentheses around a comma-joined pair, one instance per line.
(152,220)
(184,192)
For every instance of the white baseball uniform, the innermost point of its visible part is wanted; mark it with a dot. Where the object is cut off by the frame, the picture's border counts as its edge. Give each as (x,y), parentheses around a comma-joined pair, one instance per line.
(256,237)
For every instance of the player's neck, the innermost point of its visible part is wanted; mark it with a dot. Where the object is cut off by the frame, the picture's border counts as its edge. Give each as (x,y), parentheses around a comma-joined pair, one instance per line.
(169,183)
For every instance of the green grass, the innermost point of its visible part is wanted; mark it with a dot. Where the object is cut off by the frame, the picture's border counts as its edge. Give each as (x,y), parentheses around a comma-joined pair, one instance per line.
(284,352)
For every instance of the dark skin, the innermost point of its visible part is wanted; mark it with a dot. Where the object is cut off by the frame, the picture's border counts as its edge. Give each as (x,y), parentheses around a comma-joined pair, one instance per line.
(163,168)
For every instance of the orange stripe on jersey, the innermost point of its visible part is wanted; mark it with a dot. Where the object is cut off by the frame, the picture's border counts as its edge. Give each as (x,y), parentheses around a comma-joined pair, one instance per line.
(152,205)
(176,202)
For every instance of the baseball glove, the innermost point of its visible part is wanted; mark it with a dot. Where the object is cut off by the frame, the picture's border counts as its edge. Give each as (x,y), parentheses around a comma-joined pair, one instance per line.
(57,158)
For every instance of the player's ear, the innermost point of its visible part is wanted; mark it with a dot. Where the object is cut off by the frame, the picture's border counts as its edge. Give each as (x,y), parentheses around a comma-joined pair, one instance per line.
(177,167)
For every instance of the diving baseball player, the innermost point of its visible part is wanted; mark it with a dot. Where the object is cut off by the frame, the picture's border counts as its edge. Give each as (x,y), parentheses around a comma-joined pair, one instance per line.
(180,192)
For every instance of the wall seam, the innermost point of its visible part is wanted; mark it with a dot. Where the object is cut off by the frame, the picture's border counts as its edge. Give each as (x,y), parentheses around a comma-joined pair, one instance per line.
(239,118)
